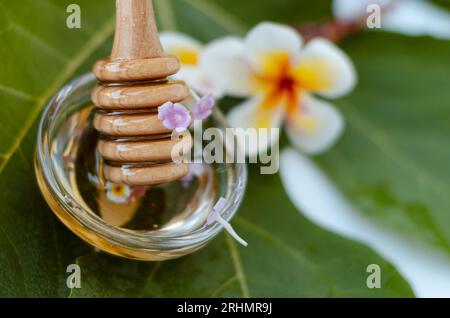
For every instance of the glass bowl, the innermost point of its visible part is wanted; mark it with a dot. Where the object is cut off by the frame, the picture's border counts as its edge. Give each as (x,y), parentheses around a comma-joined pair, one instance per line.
(63,127)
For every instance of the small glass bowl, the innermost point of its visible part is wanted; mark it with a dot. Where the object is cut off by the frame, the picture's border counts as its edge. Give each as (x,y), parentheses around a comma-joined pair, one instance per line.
(60,121)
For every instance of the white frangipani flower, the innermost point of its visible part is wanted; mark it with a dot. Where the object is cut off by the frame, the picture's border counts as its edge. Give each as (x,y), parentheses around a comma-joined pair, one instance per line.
(280,75)
(118,193)
(189,51)
(412,17)
(351,10)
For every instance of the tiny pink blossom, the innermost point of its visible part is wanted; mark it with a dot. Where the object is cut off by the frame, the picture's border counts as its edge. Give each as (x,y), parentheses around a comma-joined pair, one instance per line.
(164,109)
(203,108)
(215,216)
(174,116)
(195,170)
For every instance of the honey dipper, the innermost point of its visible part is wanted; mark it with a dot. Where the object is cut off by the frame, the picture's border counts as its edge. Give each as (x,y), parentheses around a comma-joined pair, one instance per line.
(134,144)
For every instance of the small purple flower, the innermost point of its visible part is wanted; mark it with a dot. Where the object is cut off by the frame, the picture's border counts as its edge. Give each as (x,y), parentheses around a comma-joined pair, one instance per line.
(215,216)
(174,116)
(204,107)
(195,170)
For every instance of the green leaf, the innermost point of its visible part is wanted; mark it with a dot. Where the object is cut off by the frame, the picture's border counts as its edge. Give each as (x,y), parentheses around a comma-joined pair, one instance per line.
(39,54)
(392,161)
(206,19)
(287,255)
(443,3)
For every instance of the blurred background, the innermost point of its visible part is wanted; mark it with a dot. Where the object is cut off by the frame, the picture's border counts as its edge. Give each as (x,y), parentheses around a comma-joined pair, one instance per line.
(378,196)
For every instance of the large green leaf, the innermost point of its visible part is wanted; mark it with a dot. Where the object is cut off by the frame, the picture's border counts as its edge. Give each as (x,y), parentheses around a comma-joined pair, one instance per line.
(206,19)
(287,255)
(393,159)
(443,3)
(39,54)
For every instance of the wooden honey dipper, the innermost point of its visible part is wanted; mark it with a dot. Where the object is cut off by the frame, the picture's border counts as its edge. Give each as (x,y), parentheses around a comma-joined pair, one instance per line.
(133,82)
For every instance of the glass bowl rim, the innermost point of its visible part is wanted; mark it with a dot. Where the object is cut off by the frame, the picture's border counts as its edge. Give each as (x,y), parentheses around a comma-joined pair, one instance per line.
(116,235)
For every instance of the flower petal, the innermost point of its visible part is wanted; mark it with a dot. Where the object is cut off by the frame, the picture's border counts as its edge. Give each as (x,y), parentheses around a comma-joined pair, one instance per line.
(269,38)
(326,69)
(315,126)
(203,108)
(174,116)
(180,108)
(117,193)
(224,62)
(185,47)
(198,81)
(352,11)
(164,110)
(195,170)
(250,114)
(215,216)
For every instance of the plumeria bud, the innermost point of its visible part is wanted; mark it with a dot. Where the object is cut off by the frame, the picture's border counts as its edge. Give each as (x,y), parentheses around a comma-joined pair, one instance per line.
(174,116)
(203,108)
(215,216)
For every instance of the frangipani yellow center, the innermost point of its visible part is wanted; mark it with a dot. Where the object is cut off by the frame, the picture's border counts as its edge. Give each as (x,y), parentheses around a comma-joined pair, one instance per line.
(187,56)
(118,190)
(281,85)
